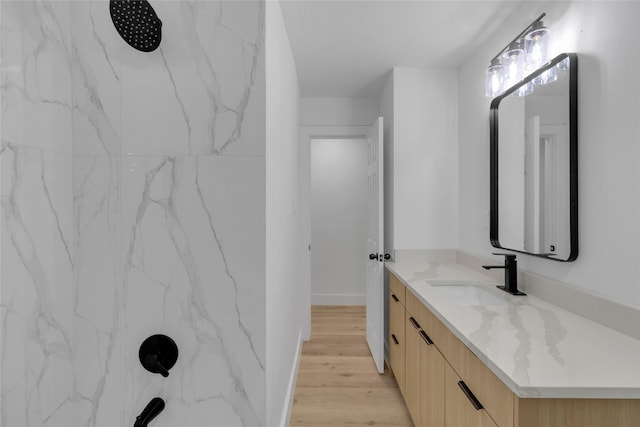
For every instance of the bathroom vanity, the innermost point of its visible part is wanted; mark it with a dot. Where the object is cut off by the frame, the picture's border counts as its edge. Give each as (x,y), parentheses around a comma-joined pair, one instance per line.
(467,354)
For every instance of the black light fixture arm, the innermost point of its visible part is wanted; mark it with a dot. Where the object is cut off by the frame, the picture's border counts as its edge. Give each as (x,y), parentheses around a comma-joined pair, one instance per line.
(518,36)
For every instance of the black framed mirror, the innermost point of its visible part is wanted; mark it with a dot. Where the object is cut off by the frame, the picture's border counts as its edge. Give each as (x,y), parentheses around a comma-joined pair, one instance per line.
(534,163)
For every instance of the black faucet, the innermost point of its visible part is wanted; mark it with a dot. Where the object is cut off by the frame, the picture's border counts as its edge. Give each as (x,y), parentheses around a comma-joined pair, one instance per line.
(510,274)
(150,411)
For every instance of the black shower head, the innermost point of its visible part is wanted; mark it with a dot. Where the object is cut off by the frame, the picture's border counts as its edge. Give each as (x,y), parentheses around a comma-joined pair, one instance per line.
(137,23)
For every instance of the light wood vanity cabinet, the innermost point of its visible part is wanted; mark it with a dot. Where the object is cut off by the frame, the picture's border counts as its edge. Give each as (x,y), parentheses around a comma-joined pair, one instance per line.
(425,374)
(424,368)
(432,377)
(429,376)
(459,411)
(494,395)
(412,378)
(397,330)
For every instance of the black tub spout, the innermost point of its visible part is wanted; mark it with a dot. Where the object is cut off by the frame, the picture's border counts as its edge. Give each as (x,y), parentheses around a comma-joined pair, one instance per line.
(152,410)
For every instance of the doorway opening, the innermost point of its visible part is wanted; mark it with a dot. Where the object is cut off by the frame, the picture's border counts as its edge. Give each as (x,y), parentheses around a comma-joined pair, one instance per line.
(338,199)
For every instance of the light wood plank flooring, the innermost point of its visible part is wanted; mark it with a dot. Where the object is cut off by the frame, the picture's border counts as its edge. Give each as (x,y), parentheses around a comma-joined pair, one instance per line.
(338,384)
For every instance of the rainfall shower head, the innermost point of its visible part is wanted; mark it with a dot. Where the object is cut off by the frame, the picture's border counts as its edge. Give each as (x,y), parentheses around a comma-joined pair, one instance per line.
(137,23)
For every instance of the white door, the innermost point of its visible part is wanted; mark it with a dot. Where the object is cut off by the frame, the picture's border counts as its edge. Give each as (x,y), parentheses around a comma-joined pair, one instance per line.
(375,246)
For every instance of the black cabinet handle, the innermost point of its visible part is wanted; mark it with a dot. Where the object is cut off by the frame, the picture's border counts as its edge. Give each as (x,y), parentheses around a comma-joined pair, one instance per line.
(414,323)
(425,337)
(395,340)
(395,298)
(474,400)
(387,256)
(373,256)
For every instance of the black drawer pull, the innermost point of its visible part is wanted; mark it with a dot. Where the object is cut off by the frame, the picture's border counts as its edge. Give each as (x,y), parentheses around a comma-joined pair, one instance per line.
(395,340)
(474,400)
(395,298)
(425,337)
(414,323)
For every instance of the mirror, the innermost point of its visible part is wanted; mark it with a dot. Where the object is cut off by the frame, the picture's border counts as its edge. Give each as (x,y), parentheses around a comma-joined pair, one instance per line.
(534,163)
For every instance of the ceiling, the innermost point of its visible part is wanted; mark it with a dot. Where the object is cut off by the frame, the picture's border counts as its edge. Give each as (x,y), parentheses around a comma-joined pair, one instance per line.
(347,48)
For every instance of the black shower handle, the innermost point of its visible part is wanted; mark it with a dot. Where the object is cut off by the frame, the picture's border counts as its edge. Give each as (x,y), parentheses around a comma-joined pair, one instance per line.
(158,354)
(153,361)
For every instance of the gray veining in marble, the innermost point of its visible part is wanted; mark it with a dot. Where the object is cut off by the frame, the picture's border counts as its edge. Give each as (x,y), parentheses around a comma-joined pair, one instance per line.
(133,203)
(537,349)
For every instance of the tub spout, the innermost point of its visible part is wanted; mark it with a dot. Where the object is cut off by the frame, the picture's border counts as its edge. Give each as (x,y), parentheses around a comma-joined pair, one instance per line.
(150,411)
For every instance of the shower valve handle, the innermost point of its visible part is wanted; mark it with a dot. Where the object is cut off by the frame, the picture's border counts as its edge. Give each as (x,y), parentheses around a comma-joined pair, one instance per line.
(151,360)
(158,354)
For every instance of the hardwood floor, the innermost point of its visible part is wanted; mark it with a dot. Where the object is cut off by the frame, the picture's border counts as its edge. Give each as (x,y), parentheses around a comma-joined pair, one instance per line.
(338,384)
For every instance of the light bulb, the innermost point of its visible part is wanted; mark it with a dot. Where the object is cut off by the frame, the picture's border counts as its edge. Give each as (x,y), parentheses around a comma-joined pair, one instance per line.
(536,44)
(513,60)
(493,84)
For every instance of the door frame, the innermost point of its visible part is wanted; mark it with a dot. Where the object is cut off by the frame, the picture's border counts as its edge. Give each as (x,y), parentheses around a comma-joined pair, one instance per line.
(307,133)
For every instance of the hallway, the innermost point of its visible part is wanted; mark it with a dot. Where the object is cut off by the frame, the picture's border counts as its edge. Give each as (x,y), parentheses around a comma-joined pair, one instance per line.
(338,384)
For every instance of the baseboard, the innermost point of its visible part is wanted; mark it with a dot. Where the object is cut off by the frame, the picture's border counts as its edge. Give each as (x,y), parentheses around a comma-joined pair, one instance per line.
(291,388)
(338,299)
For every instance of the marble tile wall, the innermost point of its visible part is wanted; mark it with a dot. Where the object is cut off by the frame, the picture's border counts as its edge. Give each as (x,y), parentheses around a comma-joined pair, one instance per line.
(160,182)
(36,228)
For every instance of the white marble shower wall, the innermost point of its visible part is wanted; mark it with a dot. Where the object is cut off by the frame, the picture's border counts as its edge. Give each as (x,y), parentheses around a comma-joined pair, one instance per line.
(164,220)
(36,253)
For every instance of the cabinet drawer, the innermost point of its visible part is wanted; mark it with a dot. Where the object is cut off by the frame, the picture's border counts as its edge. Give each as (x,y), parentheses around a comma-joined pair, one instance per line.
(412,376)
(397,289)
(459,404)
(495,396)
(431,386)
(577,412)
(414,306)
(397,340)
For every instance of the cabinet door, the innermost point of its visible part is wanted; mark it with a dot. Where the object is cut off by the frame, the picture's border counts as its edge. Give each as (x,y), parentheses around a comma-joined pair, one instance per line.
(431,385)
(396,341)
(459,407)
(412,367)
(397,289)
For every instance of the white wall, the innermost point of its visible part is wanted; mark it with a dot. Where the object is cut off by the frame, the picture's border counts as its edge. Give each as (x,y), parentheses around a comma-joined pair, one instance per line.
(606,36)
(284,305)
(338,111)
(425,152)
(338,221)
(326,118)
(387,112)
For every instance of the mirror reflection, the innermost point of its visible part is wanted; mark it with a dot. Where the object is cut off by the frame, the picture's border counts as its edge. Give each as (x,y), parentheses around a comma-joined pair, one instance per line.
(534,179)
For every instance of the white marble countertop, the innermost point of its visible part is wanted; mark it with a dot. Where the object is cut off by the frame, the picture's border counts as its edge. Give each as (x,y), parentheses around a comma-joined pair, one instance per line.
(537,349)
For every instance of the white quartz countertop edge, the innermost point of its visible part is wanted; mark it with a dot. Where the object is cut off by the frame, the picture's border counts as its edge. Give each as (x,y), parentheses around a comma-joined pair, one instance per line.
(576,366)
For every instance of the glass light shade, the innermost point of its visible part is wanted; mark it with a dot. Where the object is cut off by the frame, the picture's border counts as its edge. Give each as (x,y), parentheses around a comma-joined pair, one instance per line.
(551,75)
(493,84)
(513,62)
(564,65)
(536,44)
(524,90)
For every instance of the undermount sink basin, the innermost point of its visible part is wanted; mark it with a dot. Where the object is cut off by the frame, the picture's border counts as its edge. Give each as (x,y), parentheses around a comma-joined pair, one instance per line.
(465,293)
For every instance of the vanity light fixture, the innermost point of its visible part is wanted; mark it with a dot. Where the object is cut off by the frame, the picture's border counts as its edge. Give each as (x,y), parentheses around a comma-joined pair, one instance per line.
(513,62)
(523,55)
(537,42)
(495,75)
